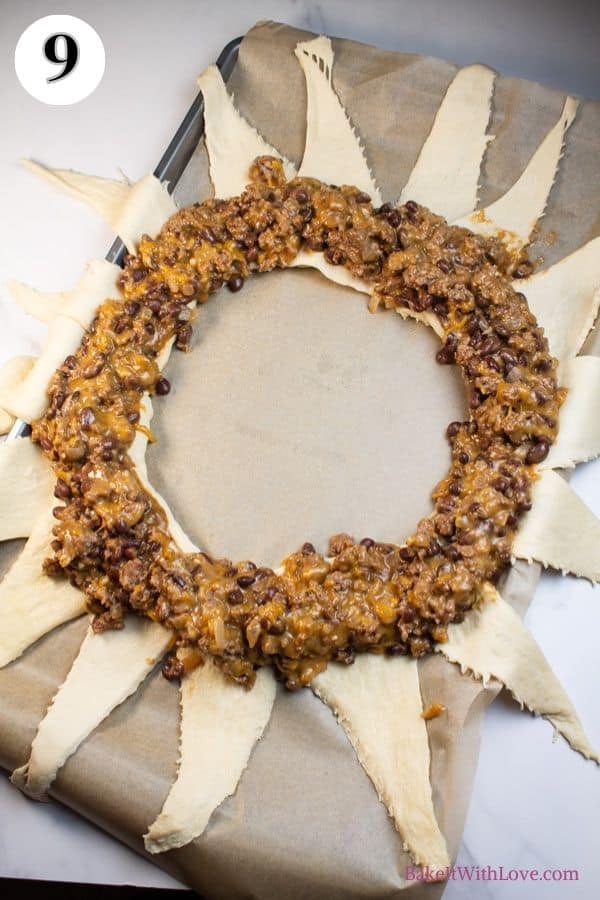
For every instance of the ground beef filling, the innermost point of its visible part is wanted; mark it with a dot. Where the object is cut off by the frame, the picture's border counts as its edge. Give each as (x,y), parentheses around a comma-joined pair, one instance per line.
(112,539)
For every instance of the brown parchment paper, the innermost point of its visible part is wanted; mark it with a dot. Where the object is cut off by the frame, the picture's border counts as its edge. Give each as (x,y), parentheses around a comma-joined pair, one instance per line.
(298,415)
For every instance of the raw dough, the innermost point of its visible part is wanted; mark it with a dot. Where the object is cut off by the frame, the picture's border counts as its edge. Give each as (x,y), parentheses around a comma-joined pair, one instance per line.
(446,175)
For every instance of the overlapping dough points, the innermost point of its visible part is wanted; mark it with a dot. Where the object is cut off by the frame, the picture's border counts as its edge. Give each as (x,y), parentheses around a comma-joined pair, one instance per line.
(445,177)
(105,195)
(565,298)
(559,531)
(378,702)
(29,400)
(97,283)
(131,210)
(332,152)
(146,210)
(31,604)
(579,433)
(515,214)
(115,663)
(492,642)
(231,141)
(220,724)
(26,481)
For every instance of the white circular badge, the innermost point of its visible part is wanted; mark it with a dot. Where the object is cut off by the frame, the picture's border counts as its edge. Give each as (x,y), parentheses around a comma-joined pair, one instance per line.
(59,60)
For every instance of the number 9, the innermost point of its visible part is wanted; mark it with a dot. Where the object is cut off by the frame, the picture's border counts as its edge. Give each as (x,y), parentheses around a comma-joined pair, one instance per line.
(71,58)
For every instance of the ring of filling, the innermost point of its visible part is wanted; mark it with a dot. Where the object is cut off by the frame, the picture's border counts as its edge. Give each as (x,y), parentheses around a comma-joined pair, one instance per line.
(112,538)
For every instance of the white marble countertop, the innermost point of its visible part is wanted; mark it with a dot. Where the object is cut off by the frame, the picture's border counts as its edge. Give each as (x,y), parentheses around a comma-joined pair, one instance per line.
(535,803)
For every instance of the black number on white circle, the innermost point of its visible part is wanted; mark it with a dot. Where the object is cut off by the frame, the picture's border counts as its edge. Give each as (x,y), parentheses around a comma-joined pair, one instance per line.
(69,54)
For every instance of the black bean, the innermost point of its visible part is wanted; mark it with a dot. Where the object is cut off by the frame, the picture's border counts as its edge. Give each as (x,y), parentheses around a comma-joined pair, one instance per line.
(367,542)
(244,581)
(444,266)
(172,668)
(235,596)
(308,548)
(397,650)
(537,452)
(235,284)
(501,484)
(302,197)
(162,386)
(489,345)
(132,307)
(62,491)
(133,416)
(453,429)
(446,356)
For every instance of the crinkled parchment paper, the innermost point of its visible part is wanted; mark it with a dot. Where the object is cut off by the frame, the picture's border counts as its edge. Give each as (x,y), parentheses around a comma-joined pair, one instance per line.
(297,415)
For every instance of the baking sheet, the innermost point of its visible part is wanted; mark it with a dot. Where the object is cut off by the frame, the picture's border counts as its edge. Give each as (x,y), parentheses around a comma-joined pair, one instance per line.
(302,415)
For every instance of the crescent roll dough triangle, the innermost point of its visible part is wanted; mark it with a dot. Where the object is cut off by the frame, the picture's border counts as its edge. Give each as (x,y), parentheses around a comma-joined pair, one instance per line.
(378,702)
(579,433)
(565,298)
(232,142)
(29,400)
(515,214)
(220,724)
(97,283)
(559,531)
(114,663)
(26,482)
(492,642)
(446,175)
(31,604)
(43,306)
(332,151)
(131,210)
